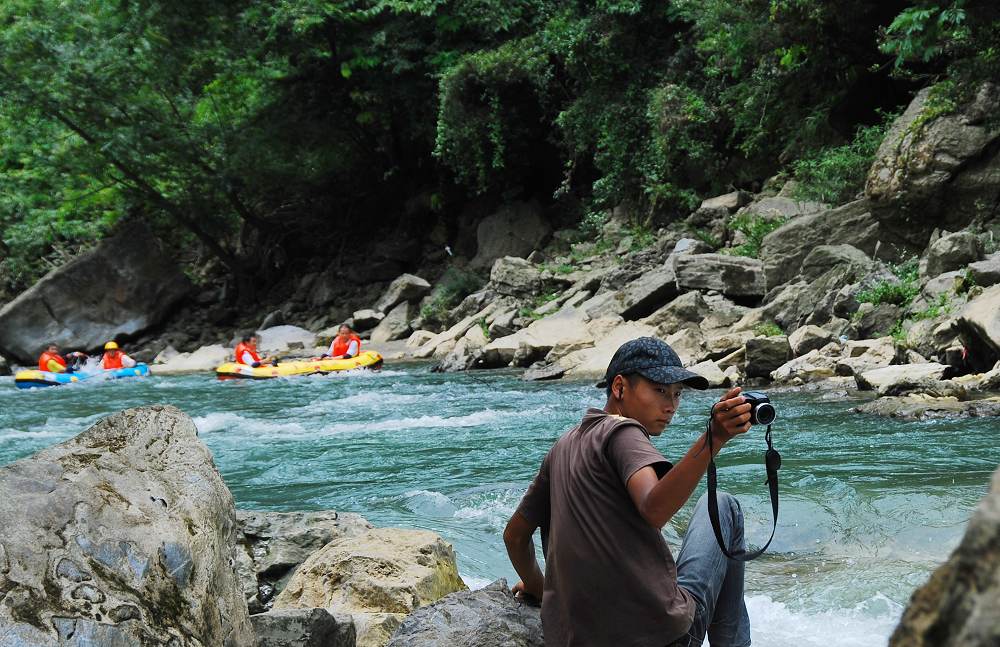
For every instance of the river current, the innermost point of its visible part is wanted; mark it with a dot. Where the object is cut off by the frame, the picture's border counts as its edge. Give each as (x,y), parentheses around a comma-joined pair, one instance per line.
(869,506)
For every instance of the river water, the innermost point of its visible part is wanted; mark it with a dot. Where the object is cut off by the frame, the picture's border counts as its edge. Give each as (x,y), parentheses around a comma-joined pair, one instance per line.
(869,506)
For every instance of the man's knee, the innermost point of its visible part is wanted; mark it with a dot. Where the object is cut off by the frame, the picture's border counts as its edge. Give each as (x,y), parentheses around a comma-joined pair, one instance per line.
(728,505)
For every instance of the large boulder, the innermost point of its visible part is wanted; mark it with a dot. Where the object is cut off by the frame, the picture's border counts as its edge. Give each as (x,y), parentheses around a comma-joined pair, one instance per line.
(303,628)
(489,617)
(593,361)
(405,287)
(441,343)
(466,353)
(4,366)
(516,229)
(937,171)
(978,325)
(515,276)
(638,298)
(960,603)
(562,333)
(766,354)
(951,252)
(734,276)
(785,248)
(773,207)
(809,338)
(920,406)
(123,535)
(812,366)
(124,286)
(824,258)
(366,318)
(866,355)
(378,577)
(273,544)
(888,378)
(396,324)
(279,339)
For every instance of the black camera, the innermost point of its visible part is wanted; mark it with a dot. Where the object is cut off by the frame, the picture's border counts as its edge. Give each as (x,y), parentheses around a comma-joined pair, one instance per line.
(761,410)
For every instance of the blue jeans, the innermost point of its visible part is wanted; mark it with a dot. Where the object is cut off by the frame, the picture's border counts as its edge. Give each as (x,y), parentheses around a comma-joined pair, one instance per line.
(715,581)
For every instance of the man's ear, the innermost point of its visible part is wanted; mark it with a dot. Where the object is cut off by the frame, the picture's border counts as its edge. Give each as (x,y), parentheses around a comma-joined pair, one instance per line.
(618,387)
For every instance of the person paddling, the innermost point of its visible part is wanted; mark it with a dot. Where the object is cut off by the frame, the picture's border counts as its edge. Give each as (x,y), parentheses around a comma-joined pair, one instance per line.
(246,353)
(115,358)
(50,360)
(345,345)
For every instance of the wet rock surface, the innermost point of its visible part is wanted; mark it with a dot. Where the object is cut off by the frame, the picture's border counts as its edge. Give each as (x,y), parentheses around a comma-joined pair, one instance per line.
(303,628)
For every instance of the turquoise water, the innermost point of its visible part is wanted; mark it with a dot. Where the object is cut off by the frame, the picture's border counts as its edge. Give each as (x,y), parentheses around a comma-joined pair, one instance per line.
(869,506)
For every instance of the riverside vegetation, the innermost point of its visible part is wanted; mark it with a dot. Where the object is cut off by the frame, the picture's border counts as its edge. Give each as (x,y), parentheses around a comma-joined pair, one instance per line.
(789,192)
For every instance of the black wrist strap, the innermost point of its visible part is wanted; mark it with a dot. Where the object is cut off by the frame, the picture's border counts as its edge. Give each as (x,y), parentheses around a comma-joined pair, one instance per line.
(772,463)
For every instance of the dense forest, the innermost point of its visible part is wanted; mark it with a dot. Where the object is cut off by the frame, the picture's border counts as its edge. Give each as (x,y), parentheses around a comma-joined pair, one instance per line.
(260,137)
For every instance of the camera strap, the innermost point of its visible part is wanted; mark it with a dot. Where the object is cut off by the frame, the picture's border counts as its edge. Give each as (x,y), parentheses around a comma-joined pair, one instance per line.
(772,462)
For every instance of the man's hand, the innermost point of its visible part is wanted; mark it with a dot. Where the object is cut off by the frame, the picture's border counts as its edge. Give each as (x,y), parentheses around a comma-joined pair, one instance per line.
(732,415)
(521,590)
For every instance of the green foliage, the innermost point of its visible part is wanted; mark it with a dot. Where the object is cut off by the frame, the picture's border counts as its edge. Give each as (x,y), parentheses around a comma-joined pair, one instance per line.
(940,307)
(941,100)
(835,175)
(706,237)
(642,236)
(900,291)
(453,286)
(768,329)
(924,32)
(754,227)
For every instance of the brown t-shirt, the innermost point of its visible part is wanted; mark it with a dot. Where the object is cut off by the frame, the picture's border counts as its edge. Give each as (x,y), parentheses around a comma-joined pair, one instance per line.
(609,576)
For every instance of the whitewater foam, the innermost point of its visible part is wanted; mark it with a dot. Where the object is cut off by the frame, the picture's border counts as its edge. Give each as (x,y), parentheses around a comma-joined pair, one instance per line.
(775,624)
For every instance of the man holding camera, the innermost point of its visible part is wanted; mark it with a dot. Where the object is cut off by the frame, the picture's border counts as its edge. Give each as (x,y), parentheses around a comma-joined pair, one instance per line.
(601,497)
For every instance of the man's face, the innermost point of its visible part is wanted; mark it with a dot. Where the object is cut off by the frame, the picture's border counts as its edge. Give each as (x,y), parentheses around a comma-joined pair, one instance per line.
(345,331)
(651,403)
(53,349)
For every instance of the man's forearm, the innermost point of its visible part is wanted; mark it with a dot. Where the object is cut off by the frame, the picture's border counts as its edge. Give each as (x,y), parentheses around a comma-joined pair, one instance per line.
(673,490)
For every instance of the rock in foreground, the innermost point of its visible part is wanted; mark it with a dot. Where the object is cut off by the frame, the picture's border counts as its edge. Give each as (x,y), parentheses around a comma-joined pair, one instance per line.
(303,628)
(121,536)
(378,577)
(490,617)
(960,604)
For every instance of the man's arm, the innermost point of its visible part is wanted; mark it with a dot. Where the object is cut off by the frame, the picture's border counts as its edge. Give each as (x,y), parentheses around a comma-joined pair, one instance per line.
(658,500)
(521,551)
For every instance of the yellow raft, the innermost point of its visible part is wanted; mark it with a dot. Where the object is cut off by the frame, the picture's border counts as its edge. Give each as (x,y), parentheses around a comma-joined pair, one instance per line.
(231,370)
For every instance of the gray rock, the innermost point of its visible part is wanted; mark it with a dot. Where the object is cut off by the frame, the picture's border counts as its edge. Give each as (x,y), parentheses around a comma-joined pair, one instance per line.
(876,321)
(405,287)
(123,535)
(303,628)
(820,260)
(125,286)
(4,366)
(809,338)
(515,276)
(946,283)
(516,229)
(395,325)
(987,271)
(275,543)
(893,378)
(733,276)
(503,324)
(785,248)
(766,354)
(926,386)
(783,207)
(938,173)
(924,407)
(950,253)
(466,352)
(958,606)
(273,318)
(540,371)
(638,298)
(684,311)
(366,319)
(978,325)
(489,617)
(730,201)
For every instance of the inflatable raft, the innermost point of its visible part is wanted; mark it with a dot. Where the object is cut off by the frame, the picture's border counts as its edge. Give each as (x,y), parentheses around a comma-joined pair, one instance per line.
(231,370)
(36,379)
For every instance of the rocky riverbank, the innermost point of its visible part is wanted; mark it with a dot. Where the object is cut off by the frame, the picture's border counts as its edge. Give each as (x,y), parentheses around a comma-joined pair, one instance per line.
(761,289)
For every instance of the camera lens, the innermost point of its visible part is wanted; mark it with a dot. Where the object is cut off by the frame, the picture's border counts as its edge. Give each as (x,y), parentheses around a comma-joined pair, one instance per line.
(763,414)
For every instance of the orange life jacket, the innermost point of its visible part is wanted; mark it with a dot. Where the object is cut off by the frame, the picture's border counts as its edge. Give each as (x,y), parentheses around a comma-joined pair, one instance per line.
(112,359)
(244,347)
(340,346)
(45,362)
